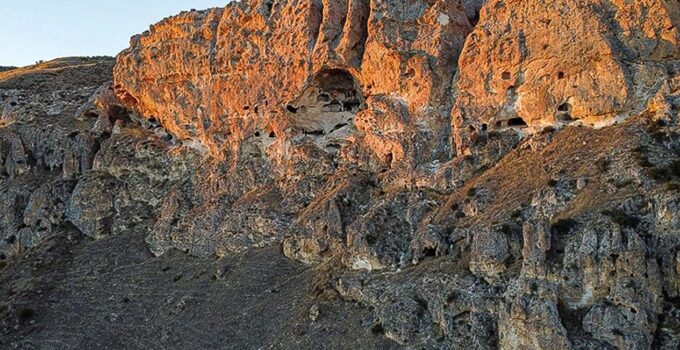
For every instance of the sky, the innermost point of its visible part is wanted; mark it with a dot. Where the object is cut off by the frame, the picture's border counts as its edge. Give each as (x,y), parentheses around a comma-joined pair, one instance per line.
(32,30)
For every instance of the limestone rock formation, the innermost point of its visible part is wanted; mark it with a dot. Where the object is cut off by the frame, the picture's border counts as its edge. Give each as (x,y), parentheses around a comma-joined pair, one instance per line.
(550,63)
(281,51)
(351,174)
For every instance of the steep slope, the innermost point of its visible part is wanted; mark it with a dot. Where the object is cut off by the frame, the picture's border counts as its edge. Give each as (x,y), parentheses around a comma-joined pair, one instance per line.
(329,174)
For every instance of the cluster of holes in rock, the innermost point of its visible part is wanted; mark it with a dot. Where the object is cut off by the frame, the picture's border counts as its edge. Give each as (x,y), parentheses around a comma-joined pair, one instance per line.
(329,104)
(271,134)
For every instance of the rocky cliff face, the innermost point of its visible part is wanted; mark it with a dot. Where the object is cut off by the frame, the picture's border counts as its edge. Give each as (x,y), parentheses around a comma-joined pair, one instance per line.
(438,174)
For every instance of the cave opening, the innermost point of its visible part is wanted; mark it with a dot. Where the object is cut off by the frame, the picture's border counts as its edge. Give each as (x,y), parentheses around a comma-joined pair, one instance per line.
(563,114)
(517,123)
(328,104)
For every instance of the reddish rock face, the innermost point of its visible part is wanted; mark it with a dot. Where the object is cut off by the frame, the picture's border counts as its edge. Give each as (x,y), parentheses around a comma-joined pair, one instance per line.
(267,67)
(548,63)
(296,98)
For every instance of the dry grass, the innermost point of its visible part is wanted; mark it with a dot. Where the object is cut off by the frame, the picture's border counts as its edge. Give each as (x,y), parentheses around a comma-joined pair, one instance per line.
(574,152)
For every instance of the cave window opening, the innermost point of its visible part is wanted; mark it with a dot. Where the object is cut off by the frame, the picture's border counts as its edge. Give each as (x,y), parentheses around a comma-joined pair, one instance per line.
(517,123)
(430,252)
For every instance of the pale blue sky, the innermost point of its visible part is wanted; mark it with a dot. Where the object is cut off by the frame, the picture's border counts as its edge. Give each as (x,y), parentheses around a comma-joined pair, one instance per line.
(32,30)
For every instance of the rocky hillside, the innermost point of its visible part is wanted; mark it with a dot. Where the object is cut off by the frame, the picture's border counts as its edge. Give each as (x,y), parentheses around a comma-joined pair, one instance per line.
(351,175)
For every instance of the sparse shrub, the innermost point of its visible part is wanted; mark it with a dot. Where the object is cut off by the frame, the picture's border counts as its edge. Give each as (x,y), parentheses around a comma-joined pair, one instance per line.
(378,329)
(563,226)
(666,173)
(674,187)
(371,239)
(640,154)
(602,164)
(25,313)
(622,218)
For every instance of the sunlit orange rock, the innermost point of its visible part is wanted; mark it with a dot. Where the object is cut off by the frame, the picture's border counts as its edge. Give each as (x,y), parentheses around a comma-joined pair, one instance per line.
(531,64)
(257,67)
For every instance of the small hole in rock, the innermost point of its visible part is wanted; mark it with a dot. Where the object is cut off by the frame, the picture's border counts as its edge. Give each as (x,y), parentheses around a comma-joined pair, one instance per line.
(292,109)
(429,252)
(339,126)
(272,135)
(484,127)
(517,122)
(560,75)
(257,134)
(565,107)
(315,132)
(506,75)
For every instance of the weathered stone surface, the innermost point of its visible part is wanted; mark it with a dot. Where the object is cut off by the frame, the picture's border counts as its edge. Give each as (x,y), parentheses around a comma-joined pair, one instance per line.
(323,130)
(550,63)
(489,252)
(257,65)
(90,208)
(43,150)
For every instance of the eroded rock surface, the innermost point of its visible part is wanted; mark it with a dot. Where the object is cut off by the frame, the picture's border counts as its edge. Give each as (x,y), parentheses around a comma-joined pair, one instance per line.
(551,63)
(332,175)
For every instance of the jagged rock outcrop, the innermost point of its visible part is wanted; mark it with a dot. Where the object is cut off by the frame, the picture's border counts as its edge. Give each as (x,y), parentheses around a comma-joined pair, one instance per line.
(325,168)
(43,150)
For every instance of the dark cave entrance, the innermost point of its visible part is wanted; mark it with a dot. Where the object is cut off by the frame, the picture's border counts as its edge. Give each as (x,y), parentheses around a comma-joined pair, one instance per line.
(328,104)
